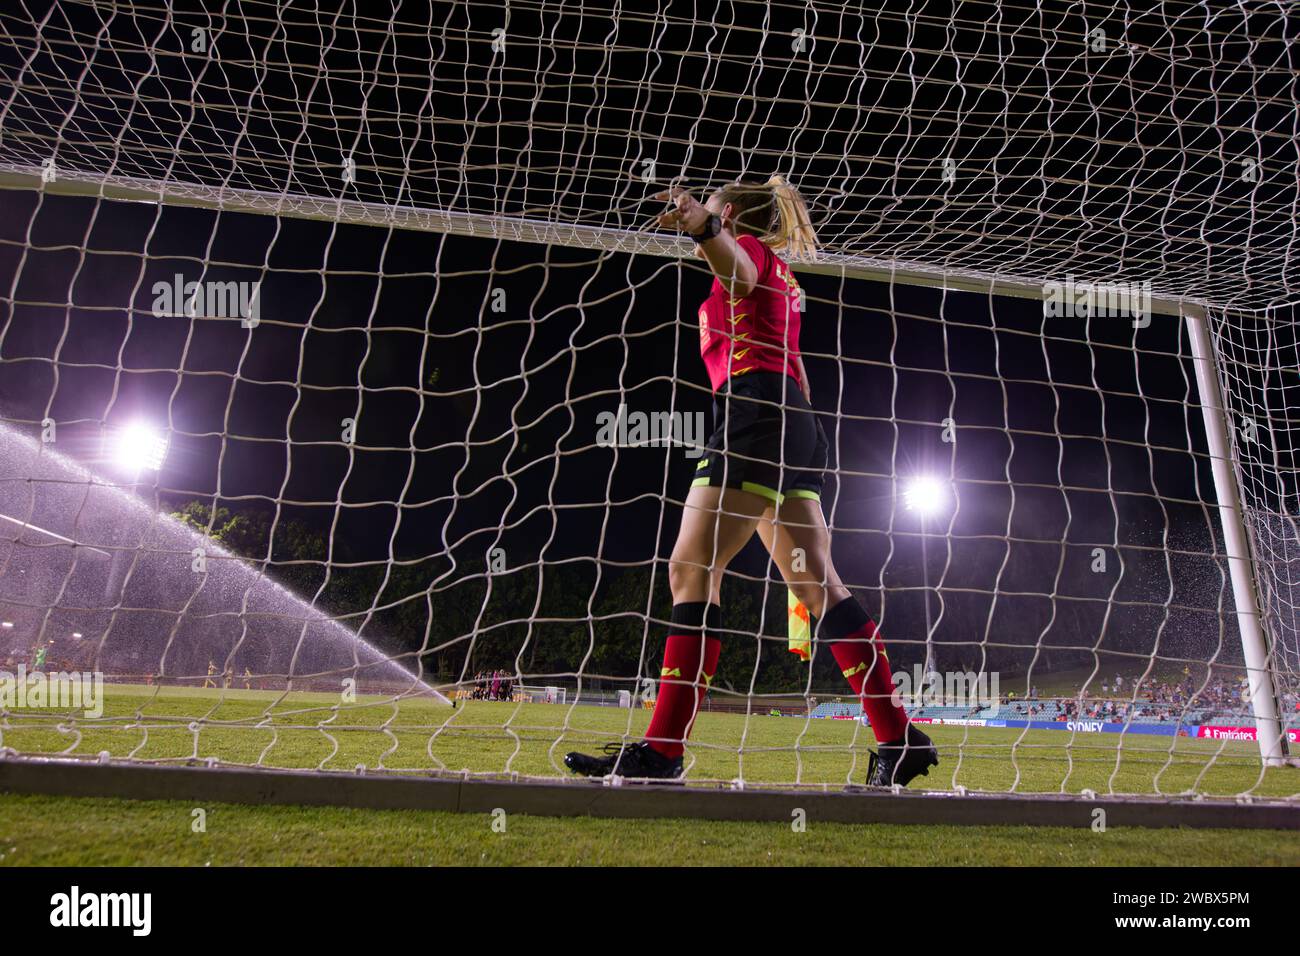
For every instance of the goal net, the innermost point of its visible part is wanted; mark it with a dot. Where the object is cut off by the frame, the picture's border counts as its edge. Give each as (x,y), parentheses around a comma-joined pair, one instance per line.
(349,395)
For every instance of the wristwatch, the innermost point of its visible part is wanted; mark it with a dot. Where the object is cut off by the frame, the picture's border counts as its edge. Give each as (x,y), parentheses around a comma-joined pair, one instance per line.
(711,229)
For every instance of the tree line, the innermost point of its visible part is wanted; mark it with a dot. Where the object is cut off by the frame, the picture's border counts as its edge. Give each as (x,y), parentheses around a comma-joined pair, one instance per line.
(548,621)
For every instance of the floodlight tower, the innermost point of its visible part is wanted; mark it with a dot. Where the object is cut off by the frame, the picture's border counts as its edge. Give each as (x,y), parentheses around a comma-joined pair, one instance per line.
(926,496)
(137,447)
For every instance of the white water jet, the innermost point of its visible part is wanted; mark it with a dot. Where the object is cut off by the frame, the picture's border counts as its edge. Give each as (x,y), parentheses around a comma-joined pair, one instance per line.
(111,582)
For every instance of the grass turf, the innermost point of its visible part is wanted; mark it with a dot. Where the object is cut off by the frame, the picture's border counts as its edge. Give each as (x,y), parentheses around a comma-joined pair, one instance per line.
(38,830)
(314,730)
(317,731)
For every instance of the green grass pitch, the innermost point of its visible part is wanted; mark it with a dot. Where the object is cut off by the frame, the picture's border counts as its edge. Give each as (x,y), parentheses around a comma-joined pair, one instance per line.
(313,731)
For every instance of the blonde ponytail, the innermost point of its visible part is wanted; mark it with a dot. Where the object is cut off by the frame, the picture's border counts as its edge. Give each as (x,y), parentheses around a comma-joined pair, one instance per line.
(774,212)
(793,232)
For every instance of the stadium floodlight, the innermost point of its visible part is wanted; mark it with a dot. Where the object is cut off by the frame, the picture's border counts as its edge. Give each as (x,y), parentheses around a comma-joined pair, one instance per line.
(926,495)
(138,447)
(6,624)
(76,635)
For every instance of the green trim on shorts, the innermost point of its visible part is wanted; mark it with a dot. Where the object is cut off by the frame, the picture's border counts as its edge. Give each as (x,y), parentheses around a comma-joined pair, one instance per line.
(761,490)
(804,493)
(753,488)
(704,463)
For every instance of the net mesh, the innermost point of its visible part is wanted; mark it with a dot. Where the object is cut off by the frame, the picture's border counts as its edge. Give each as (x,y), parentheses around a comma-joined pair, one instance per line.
(1031,143)
(390,476)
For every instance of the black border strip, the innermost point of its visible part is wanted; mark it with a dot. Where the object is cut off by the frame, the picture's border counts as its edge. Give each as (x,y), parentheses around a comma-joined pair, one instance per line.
(79,778)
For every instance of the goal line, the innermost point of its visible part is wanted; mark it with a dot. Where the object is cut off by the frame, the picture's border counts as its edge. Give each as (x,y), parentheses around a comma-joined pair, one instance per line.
(461,793)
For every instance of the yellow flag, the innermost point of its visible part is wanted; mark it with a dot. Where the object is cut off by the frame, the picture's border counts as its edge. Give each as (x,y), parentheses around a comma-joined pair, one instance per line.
(800,629)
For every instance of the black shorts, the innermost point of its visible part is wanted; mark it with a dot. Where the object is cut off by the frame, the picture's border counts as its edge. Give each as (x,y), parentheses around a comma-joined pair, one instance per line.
(766,440)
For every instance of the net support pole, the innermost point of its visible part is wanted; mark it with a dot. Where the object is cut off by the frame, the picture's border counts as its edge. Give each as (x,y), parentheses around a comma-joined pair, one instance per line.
(1250,620)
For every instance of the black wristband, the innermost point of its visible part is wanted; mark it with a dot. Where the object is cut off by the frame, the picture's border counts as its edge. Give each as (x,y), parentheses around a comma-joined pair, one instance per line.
(711,229)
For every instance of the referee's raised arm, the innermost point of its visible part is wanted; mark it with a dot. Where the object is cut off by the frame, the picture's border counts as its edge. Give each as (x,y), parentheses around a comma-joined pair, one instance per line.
(703,223)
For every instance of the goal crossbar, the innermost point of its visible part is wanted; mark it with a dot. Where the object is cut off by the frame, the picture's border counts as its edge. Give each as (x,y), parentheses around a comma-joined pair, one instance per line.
(520,229)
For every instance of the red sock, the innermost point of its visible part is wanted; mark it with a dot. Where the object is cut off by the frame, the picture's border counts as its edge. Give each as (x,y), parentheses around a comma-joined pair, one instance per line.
(690,661)
(858,649)
(712,650)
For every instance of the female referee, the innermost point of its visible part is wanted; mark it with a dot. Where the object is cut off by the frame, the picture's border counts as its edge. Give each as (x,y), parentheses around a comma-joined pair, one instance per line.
(762,471)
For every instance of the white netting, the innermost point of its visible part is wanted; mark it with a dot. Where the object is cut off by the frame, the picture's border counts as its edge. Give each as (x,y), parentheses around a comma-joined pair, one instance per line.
(1015,141)
(399,457)
(1259,357)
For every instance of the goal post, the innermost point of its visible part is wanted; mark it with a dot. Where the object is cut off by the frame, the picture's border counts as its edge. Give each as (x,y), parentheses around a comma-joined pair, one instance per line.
(1260,665)
(1264,696)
